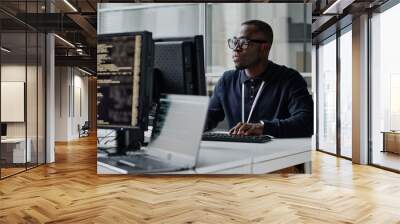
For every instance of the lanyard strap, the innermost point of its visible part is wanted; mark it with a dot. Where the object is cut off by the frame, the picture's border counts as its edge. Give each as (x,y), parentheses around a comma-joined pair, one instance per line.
(254,103)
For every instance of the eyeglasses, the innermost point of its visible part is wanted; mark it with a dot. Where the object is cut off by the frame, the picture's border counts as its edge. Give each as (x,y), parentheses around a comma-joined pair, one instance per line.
(242,43)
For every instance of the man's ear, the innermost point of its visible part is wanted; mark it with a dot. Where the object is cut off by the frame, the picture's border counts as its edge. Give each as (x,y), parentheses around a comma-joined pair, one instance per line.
(265,47)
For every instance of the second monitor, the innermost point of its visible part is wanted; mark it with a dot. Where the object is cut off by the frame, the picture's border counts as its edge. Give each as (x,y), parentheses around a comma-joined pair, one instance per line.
(179,65)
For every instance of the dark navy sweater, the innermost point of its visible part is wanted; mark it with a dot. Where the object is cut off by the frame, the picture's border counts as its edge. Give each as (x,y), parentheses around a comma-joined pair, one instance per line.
(285,105)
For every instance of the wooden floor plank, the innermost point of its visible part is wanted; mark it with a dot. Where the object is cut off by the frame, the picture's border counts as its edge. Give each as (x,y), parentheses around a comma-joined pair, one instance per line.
(70,191)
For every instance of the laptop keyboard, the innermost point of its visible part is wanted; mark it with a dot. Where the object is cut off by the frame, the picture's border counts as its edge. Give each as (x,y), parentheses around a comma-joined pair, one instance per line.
(226,137)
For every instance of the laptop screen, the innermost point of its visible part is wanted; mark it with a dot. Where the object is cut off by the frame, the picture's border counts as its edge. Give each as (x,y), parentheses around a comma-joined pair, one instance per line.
(179,128)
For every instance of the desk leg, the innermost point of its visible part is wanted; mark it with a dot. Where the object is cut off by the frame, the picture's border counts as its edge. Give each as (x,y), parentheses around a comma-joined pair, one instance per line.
(307,167)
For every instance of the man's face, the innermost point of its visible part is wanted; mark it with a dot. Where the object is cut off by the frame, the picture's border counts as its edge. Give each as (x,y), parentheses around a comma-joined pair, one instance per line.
(254,53)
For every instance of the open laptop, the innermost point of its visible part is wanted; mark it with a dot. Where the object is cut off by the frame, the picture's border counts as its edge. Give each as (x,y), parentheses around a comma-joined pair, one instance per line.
(175,142)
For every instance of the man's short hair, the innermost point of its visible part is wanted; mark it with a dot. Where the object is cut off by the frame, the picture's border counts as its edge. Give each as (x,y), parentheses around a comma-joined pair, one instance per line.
(262,27)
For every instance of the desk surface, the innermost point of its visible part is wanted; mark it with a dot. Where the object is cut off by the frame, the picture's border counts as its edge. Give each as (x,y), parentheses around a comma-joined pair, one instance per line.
(223,156)
(235,158)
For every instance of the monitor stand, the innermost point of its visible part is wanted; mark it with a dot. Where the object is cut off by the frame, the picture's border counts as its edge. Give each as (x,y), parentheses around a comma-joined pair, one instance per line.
(129,139)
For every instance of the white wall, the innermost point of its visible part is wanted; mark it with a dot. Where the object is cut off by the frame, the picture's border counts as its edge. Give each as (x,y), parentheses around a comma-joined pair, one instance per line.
(13,72)
(71,94)
(61,103)
(81,105)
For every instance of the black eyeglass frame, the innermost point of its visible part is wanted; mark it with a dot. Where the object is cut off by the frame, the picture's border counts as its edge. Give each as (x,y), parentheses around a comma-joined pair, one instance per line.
(245,44)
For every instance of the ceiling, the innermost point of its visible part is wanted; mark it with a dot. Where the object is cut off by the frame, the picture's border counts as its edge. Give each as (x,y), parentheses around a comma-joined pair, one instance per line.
(331,15)
(76,24)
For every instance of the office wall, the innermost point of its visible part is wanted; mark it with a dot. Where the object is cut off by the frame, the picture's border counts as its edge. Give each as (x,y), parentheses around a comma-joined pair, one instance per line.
(62,80)
(71,102)
(81,104)
(12,98)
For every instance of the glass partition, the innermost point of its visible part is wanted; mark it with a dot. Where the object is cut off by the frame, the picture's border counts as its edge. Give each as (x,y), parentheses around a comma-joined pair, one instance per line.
(327,95)
(13,107)
(22,89)
(346,93)
(385,89)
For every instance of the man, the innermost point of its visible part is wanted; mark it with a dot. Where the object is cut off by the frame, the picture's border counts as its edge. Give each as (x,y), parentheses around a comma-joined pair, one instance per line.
(260,97)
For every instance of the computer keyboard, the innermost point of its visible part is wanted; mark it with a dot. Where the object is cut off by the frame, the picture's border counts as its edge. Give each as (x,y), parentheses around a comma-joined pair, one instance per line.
(226,137)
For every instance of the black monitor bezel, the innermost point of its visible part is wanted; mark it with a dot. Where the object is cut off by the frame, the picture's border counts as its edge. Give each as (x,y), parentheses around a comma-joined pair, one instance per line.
(198,41)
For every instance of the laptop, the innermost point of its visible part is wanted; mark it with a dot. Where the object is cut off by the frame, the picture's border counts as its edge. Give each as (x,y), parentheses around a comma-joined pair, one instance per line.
(175,142)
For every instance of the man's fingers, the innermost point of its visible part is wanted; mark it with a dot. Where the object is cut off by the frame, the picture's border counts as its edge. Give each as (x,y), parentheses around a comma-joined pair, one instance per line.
(244,128)
(237,128)
(234,130)
(255,129)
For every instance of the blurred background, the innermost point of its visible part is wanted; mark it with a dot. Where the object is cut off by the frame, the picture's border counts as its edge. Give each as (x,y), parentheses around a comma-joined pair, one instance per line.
(291,23)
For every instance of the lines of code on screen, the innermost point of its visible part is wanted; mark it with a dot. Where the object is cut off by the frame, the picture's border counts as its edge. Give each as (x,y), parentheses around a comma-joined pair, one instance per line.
(118,70)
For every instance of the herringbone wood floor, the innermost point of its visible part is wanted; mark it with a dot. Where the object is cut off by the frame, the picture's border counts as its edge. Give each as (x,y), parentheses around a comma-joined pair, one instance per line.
(70,191)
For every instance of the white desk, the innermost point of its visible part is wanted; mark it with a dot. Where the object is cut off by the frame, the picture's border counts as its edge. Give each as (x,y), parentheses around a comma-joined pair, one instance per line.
(18,149)
(243,158)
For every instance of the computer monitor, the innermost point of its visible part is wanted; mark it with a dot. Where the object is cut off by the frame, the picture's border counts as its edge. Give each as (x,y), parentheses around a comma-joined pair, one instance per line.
(3,129)
(124,79)
(179,65)
(124,85)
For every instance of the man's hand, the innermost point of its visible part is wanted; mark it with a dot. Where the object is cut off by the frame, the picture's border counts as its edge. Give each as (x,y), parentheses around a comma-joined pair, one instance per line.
(247,129)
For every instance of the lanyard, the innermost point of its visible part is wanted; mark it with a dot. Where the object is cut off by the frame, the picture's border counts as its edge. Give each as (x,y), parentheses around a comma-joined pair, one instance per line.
(254,103)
